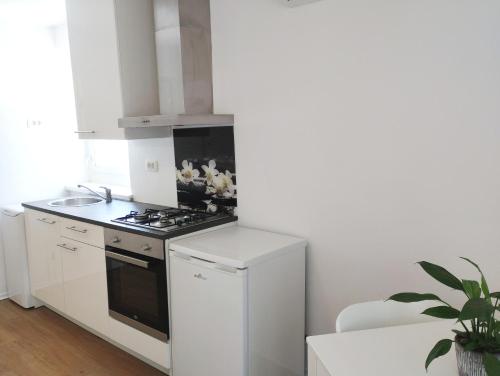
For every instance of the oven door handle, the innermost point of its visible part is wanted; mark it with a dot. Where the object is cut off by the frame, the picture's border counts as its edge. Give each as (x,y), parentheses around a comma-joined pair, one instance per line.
(128,259)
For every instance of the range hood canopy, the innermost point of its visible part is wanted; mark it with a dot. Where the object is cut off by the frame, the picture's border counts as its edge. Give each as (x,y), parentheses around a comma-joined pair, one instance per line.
(184,61)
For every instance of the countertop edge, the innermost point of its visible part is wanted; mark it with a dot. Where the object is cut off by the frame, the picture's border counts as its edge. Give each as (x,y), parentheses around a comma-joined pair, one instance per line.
(130,229)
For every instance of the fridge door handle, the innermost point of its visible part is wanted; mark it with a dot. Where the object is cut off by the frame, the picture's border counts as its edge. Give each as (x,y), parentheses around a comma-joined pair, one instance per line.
(180,255)
(225,268)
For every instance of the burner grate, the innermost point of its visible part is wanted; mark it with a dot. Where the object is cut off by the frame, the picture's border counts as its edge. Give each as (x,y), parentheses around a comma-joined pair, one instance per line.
(165,219)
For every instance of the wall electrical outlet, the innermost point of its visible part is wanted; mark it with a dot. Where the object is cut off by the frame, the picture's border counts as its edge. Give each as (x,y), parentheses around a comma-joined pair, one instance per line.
(33,123)
(296,3)
(152,166)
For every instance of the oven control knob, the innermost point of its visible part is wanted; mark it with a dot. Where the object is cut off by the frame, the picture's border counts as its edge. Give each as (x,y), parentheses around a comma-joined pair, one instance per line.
(115,240)
(146,248)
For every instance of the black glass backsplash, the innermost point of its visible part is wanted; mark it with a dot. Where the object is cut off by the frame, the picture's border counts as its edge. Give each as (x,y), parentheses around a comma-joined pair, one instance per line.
(206,168)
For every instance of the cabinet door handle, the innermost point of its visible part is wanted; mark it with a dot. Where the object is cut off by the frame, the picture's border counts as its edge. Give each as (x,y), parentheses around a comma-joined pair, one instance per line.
(47,221)
(64,246)
(73,228)
(84,132)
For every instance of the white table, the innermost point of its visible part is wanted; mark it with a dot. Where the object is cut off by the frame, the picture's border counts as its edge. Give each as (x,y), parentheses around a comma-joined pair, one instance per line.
(393,351)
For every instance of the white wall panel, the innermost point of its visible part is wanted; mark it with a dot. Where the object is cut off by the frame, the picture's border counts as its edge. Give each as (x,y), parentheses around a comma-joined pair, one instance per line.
(370,128)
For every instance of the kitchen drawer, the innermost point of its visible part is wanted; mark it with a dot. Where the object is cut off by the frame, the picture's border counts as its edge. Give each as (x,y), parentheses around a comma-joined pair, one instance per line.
(52,222)
(83,232)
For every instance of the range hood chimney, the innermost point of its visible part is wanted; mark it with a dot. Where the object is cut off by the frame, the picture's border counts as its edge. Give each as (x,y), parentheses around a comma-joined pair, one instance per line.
(184,60)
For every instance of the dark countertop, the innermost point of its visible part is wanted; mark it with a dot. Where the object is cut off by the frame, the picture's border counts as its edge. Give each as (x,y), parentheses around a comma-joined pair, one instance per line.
(101,215)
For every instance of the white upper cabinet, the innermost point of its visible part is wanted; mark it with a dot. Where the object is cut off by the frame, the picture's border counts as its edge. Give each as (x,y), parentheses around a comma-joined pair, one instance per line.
(113,57)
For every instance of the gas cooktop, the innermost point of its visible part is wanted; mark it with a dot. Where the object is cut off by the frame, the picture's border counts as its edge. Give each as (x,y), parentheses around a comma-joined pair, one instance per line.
(168,219)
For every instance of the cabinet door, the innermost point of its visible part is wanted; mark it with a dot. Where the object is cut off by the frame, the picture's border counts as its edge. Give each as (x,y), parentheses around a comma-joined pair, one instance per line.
(44,258)
(85,289)
(96,70)
(113,56)
(208,319)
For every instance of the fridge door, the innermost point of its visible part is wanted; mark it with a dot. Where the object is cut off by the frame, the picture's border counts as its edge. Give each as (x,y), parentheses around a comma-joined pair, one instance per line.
(209,324)
(16,257)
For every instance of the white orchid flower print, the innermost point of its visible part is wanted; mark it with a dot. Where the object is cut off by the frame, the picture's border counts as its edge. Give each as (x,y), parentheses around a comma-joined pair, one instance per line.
(210,171)
(187,174)
(228,179)
(222,185)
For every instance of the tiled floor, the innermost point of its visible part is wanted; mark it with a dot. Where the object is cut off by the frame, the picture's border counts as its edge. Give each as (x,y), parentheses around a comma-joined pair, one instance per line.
(38,342)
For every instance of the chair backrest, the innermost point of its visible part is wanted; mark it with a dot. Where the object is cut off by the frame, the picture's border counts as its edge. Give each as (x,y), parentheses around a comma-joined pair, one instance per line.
(379,314)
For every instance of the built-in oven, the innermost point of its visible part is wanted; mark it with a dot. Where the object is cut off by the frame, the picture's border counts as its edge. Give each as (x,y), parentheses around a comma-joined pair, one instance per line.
(137,282)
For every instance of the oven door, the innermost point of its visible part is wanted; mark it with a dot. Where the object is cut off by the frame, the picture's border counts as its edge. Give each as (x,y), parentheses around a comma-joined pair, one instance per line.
(137,291)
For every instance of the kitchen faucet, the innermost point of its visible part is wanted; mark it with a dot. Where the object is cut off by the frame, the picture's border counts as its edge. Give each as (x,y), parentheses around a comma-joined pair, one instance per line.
(108,197)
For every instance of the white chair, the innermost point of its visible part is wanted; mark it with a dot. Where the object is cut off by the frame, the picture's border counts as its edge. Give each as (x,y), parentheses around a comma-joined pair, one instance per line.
(380,314)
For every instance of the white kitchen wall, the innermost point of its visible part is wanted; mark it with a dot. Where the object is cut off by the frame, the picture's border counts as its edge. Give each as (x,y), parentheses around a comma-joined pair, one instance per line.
(36,85)
(372,129)
(153,187)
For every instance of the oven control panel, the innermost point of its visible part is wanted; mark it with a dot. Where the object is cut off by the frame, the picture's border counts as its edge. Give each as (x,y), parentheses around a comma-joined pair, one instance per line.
(134,243)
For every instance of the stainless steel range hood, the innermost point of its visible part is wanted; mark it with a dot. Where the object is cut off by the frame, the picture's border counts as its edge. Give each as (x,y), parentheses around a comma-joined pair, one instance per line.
(184,59)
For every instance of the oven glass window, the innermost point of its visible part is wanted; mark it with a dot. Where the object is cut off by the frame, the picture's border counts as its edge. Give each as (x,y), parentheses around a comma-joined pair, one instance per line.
(137,292)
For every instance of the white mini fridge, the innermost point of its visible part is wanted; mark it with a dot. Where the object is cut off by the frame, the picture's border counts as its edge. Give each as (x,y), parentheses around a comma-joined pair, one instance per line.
(237,299)
(16,256)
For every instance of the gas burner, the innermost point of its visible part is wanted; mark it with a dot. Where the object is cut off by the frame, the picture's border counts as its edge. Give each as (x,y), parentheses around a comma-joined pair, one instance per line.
(168,219)
(141,217)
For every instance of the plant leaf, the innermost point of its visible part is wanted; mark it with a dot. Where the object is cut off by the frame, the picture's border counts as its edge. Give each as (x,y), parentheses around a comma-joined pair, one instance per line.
(441,348)
(473,263)
(476,309)
(484,285)
(485,288)
(459,333)
(495,295)
(413,297)
(442,312)
(442,275)
(472,289)
(491,364)
(471,346)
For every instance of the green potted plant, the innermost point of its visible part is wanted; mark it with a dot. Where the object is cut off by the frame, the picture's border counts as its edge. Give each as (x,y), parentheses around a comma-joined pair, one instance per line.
(477,343)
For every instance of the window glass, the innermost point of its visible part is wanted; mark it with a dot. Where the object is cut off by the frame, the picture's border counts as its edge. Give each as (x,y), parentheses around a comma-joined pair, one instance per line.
(107,162)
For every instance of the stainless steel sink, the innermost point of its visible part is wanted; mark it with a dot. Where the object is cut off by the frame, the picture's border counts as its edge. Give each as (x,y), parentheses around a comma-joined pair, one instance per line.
(76,201)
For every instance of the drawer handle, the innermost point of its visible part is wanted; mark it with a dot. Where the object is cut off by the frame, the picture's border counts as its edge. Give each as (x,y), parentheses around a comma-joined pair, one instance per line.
(47,221)
(72,249)
(73,228)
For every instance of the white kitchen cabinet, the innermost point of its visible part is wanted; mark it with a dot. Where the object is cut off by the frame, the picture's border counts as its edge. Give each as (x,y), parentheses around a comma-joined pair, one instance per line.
(140,343)
(44,258)
(113,57)
(85,290)
(67,265)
